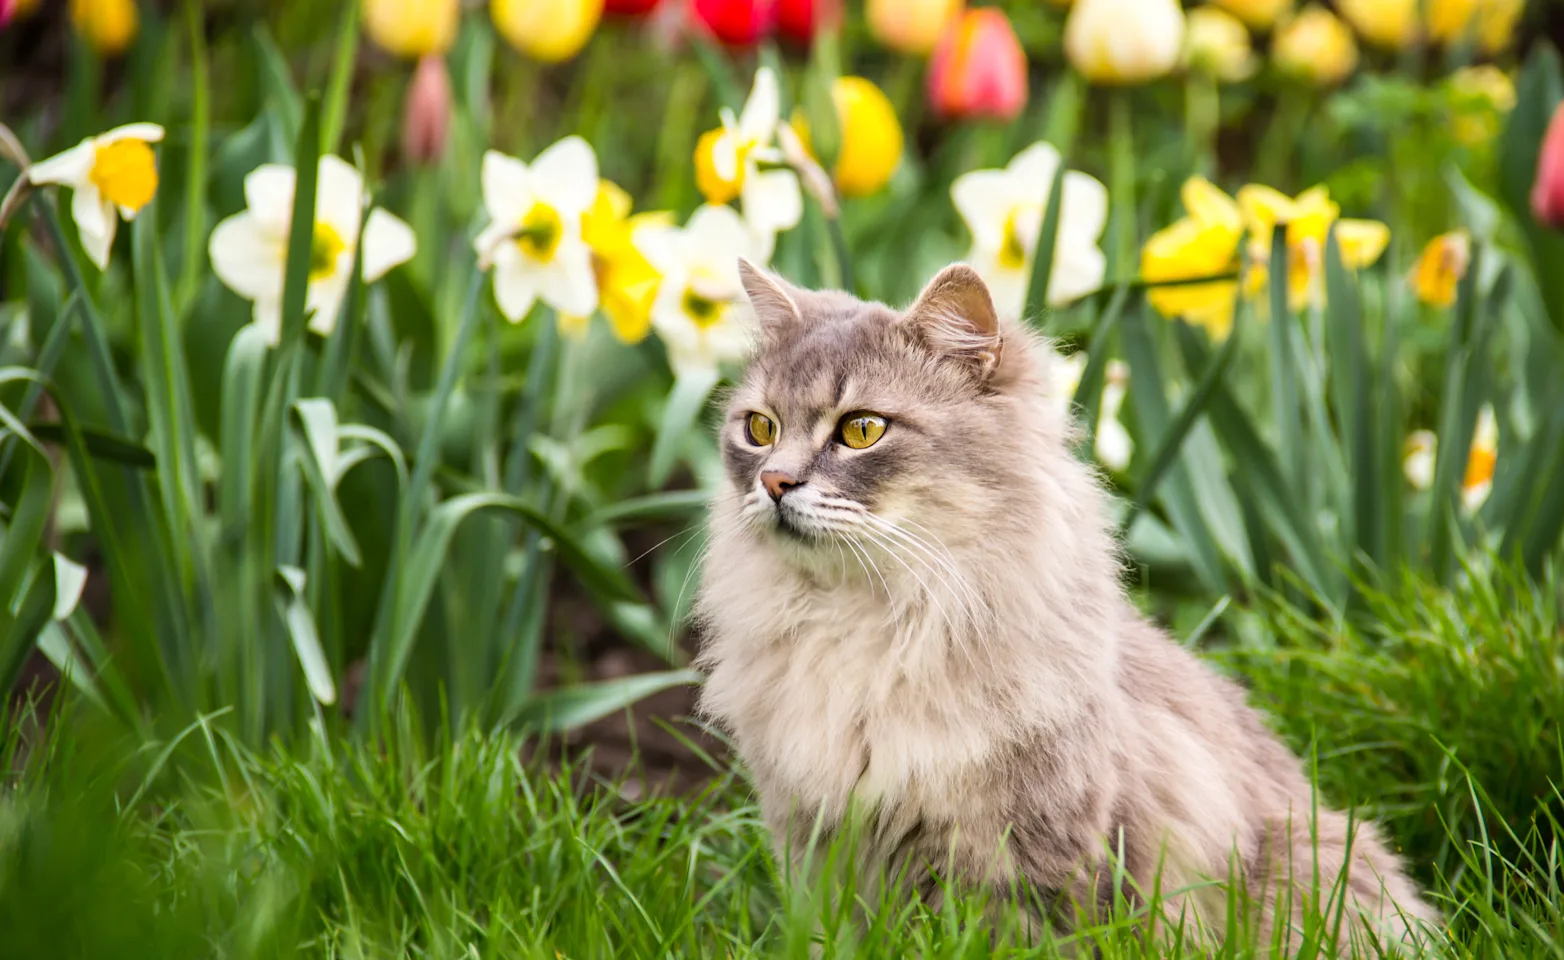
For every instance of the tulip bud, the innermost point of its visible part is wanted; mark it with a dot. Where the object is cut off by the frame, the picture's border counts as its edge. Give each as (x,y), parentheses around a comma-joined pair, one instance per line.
(426,114)
(871,137)
(547,30)
(1547,192)
(797,20)
(1217,43)
(108,26)
(737,23)
(412,28)
(979,68)
(1316,46)
(630,8)
(1390,24)
(911,26)
(1258,14)
(1124,41)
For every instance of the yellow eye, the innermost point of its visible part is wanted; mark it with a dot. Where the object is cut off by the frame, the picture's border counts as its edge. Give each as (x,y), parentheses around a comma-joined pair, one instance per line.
(760,430)
(862,430)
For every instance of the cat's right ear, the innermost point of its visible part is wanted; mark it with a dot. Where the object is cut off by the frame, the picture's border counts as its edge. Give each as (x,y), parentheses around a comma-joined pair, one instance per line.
(769,295)
(954,316)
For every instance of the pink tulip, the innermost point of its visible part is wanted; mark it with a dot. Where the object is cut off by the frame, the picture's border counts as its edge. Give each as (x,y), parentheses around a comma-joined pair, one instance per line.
(1547,191)
(979,68)
(426,117)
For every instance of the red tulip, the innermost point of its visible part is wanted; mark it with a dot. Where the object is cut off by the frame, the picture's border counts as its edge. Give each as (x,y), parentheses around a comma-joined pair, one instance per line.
(979,69)
(797,20)
(1547,192)
(426,119)
(630,8)
(738,23)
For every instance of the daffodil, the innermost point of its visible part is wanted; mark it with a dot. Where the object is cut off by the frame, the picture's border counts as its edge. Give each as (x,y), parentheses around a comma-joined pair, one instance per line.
(1004,211)
(741,161)
(700,311)
(1417,461)
(249,250)
(112,175)
(1258,14)
(626,282)
(533,239)
(1440,267)
(1112,445)
(1308,218)
(1477,481)
(1204,243)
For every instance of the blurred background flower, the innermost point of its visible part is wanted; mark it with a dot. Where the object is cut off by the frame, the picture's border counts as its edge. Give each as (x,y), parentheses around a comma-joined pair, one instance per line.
(1390,24)
(547,30)
(1308,217)
(738,23)
(1440,267)
(412,28)
(626,281)
(1202,244)
(1257,14)
(871,137)
(912,27)
(112,175)
(108,26)
(1547,192)
(1217,43)
(1124,41)
(979,68)
(740,160)
(426,116)
(1315,46)
(699,312)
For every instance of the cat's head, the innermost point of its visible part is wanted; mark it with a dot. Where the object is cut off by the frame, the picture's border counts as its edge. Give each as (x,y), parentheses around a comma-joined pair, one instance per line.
(858,426)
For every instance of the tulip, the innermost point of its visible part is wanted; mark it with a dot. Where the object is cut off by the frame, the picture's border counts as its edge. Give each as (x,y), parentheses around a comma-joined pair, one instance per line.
(1547,191)
(737,23)
(1496,21)
(107,25)
(7,11)
(1217,43)
(426,119)
(547,30)
(1481,96)
(1390,24)
(1258,14)
(979,68)
(1440,267)
(797,20)
(412,28)
(630,8)
(871,144)
(1124,41)
(1316,46)
(912,27)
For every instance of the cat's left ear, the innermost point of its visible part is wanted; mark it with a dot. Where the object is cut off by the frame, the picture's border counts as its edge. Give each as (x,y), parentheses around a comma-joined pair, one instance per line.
(954,316)
(769,294)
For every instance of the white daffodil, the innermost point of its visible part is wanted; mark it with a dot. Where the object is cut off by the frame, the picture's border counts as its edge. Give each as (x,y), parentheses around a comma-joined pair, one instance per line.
(533,239)
(1418,459)
(1004,211)
(700,311)
(112,175)
(1113,446)
(745,155)
(249,250)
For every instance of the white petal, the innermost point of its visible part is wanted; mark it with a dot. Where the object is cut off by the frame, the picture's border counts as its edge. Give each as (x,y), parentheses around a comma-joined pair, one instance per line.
(515,286)
(1032,171)
(661,246)
(569,284)
(758,122)
(1114,446)
(715,238)
(145,132)
(679,334)
(98,245)
(1486,435)
(984,198)
(507,188)
(730,340)
(268,194)
(71,167)
(772,200)
(1007,286)
(324,302)
(1078,270)
(1083,206)
(95,222)
(565,175)
(339,197)
(762,245)
(725,155)
(490,239)
(388,243)
(268,316)
(248,257)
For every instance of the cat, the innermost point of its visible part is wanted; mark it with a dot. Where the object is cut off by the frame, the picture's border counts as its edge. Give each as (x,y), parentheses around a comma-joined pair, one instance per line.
(912,608)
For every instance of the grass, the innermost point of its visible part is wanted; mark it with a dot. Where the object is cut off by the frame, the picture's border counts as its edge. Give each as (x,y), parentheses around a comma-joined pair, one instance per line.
(202,846)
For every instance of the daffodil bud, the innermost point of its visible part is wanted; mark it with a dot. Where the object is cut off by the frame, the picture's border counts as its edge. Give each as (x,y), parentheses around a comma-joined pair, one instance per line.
(1390,24)
(737,23)
(1316,46)
(1217,43)
(1124,41)
(426,115)
(549,31)
(1258,14)
(412,28)
(108,26)
(911,26)
(871,137)
(1547,191)
(979,68)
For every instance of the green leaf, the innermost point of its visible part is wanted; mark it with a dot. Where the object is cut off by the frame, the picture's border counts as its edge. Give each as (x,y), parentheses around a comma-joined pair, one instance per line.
(688,398)
(655,507)
(1284,387)
(277,84)
(341,83)
(1352,396)
(28,517)
(301,232)
(1539,89)
(317,455)
(1043,256)
(288,595)
(19,630)
(576,706)
(241,403)
(195,164)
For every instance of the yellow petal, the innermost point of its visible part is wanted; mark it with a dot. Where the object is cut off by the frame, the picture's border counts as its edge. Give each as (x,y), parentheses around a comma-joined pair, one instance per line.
(1437,274)
(1361,241)
(1189,249)
(1207,204)
(711,184)
(1263,208)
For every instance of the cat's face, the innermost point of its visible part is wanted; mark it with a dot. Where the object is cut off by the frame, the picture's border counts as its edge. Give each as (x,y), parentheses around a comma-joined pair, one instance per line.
(858,427)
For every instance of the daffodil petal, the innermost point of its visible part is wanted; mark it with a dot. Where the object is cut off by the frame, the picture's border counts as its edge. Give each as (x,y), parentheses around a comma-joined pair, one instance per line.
(660,244)
(339,197)
(507,188)
(1209,205)
(1361,241)
(145,132)
(565,176)
(1114,446)
(388,242)
(984,200)
(716,235)
(515,286)
(1263,208)
(70,168)
(268,316)
(268,194)
(94,219)
(1006,285)
(1031,172)
(98,245)
(324,302)
(1078,270)
(1083,210)
(758,122)
(248,257)
(570,286)
(772,200)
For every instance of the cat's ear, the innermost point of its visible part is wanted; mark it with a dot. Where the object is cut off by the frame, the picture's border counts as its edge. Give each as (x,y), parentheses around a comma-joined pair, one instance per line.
(954,316)
(769,294)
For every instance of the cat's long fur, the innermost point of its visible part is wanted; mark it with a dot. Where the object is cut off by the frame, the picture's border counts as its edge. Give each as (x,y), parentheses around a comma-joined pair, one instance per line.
(976,677)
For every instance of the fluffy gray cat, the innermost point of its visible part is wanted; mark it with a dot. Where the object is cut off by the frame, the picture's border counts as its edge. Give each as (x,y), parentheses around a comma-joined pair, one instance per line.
(913,614)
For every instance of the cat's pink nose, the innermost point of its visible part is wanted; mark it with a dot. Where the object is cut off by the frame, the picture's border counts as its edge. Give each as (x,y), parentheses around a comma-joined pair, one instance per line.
(777,483)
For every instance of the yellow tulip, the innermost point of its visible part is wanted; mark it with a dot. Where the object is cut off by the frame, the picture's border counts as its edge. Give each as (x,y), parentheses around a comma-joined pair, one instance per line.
(1202,244)
(1391,24)
(1448,20)
(547,30)
(1258,14)
(1496,21)
(1308,217)
(911,26)
(412,28)
(1491,22)
(871,144)
(1440,267)
(1316,46)
(1481,96)
(1217,43)
(626,282)
(108,26)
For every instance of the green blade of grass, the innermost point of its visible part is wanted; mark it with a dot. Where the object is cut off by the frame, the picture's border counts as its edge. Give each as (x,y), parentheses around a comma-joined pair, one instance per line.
(341,83)
(1284,388)
(1043,257)
(195,164)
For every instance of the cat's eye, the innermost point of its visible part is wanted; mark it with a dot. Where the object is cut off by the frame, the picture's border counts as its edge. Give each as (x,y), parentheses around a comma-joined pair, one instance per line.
(760,430)
(861,430)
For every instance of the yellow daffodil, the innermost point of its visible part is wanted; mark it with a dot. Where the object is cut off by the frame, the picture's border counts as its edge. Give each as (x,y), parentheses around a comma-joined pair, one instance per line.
(1440,267)
(550,31)
(112,175)
(871,137)
(1308,218)
(1124,41)
(741,161)
(699,310)
(412,28)
(1258,14)
(626,282)
(108,26)
(533,238)
(1389,24)
(1315,46)
(1204,243)
(1217,43)
(1004,209)
(249,250)
(1421,455)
